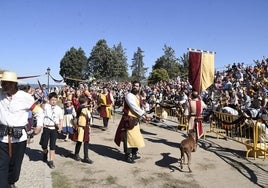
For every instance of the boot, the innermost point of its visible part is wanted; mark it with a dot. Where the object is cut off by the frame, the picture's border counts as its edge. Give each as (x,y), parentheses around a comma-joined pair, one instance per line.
(87,160)
(76,157)
(135,156)
(129,159)
(51,164)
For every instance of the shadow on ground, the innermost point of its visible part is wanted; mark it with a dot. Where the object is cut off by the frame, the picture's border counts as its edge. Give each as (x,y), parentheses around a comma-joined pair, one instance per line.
(236,158)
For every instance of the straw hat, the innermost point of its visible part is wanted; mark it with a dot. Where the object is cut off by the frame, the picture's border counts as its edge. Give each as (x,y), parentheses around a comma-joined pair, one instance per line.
(9,76)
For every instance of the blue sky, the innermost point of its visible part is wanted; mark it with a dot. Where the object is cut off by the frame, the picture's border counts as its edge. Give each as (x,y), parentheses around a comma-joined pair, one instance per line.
(37,34)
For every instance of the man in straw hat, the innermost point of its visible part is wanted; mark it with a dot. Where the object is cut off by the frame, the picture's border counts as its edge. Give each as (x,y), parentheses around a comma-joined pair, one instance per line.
(14,108)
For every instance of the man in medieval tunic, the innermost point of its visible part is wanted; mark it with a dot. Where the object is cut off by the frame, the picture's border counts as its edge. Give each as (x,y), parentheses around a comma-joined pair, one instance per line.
(196,106)
(106,102)
(128,130)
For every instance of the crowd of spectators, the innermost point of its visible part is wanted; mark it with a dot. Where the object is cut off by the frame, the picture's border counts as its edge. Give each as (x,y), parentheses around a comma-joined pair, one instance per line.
(237,89)
(237,86)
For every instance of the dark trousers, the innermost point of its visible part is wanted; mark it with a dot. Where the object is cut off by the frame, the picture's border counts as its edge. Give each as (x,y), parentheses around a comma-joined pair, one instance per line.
(127,150)
(49,135)
(105,121)
(10,167)
(78,146)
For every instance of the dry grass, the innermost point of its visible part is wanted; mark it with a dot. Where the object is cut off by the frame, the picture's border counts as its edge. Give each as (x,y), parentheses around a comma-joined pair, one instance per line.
(60,181)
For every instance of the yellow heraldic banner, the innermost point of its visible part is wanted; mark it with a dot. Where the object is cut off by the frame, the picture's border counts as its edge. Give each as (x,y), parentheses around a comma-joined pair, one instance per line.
(207,70)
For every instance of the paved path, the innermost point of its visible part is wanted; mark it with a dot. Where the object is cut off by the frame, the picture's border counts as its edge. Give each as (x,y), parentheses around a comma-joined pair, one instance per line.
(35,173)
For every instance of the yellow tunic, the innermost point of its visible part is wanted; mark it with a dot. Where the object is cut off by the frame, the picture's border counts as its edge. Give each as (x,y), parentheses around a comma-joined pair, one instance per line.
(108,107)
(82,122)
(134,136)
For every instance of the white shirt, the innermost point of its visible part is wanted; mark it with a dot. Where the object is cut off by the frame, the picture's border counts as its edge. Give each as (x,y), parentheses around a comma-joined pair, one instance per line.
(14,112)
(53,115)
(132,103)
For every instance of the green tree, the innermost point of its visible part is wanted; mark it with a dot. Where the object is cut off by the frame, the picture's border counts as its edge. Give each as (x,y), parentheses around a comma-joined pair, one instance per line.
(100,61)
(158,75)
(73,66)
(137,66)
(184,65)
(169,62)
(119,68)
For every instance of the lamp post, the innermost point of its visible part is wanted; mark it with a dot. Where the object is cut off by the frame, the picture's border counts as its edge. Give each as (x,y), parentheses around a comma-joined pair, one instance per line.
(48,73)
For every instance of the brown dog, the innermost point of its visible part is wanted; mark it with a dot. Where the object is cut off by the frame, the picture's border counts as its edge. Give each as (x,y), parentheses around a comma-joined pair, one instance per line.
(187,146)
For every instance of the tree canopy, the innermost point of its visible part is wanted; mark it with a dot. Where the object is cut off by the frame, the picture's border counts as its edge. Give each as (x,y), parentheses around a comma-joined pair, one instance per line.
(119,68)
(110,63)
(158,75)
(100,60)
(73,66)
(169,62)
(137,66)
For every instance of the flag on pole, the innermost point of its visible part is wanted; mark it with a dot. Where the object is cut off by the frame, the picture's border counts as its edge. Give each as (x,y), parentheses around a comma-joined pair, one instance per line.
(201,69)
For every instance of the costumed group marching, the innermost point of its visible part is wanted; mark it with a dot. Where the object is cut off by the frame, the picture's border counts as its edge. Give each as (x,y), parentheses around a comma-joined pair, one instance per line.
(22,115)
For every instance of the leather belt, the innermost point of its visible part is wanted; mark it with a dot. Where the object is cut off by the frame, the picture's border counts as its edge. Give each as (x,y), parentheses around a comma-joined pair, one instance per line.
(9,138)
(21,127)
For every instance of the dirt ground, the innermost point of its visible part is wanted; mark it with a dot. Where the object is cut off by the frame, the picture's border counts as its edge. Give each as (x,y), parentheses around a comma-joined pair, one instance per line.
(216,163)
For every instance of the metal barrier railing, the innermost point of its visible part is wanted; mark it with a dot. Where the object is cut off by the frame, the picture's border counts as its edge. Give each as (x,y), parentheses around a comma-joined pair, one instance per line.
(225,125)
(235,128)
(174,115)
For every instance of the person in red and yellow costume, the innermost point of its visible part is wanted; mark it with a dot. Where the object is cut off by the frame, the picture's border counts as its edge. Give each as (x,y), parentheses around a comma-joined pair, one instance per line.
(106,102)
(128,130)
(82,133)
(196,106)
